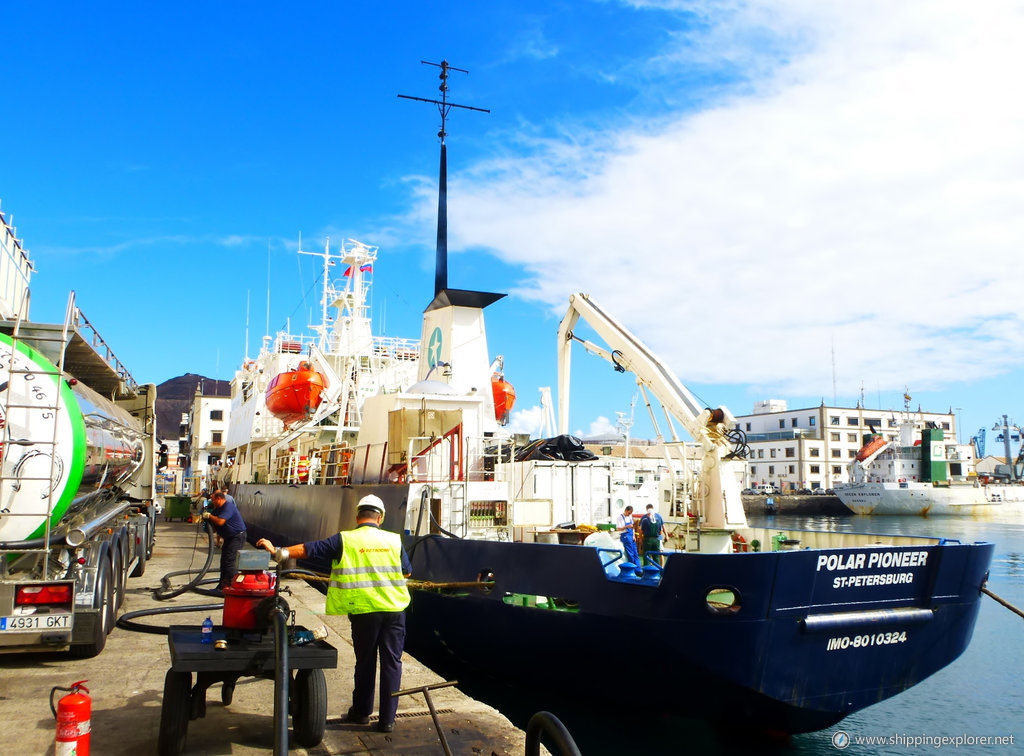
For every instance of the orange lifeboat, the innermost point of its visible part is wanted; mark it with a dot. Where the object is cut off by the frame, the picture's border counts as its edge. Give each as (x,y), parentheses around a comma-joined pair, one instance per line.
(504,398)
(870,448)
(295,395)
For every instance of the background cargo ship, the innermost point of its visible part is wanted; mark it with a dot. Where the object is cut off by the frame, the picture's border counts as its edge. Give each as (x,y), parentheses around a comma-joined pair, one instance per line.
(920,472)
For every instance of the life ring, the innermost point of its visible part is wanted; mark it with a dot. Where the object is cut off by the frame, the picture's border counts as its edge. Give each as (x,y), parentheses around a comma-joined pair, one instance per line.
(739,543)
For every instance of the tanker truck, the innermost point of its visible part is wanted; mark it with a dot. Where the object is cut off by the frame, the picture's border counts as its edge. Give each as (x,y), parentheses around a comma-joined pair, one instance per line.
(76,503)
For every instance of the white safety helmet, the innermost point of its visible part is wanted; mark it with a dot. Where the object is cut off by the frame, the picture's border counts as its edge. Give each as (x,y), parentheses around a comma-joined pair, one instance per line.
(372,502)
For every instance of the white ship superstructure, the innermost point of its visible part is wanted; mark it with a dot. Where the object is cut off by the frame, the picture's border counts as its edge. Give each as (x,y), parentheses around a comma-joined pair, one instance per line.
(341,345)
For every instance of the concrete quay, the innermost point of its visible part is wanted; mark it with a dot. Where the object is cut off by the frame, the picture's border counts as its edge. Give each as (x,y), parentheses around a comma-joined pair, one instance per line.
(126,685)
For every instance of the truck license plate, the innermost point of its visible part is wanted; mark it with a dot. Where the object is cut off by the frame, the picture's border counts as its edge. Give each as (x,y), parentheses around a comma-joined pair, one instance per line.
(33,622)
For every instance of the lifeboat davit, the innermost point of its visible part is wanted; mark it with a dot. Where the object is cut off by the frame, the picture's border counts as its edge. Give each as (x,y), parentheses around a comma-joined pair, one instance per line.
(504,398)
(295,395)
(870,448)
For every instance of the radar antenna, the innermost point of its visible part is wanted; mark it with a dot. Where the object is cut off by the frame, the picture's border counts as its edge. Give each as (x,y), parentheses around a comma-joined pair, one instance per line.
(443,107)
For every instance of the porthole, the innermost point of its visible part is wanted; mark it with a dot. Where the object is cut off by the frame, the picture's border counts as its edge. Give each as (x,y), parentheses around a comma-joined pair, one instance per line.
(722,599)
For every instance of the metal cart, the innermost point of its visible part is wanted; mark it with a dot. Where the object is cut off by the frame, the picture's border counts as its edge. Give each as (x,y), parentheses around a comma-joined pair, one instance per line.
(243,657)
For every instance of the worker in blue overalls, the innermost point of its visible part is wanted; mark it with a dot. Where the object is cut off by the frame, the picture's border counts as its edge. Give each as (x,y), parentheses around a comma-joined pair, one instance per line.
(624,525)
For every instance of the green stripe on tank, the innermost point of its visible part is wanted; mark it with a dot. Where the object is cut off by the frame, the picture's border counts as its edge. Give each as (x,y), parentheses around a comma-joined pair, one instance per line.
(69,407)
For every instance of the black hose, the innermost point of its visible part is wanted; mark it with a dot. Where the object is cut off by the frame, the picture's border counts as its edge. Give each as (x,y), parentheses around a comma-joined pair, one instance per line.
(125,620)
(165,592)
(282,676)
(544,722)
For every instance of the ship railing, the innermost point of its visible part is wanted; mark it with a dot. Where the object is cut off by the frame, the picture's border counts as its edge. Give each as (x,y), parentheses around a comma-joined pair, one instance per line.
(451,457)
(457,458)
(335,465)
(396,347)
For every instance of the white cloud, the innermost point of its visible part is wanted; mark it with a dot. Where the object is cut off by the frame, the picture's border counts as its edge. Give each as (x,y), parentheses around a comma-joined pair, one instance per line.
(527,420)
(864,194)
(601,427)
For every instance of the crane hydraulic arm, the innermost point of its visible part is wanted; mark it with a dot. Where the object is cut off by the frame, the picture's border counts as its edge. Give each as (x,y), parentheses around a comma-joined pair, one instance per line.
(713,429)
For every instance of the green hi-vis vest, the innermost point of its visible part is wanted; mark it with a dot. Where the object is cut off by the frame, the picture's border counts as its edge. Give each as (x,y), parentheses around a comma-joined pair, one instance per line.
(368,577)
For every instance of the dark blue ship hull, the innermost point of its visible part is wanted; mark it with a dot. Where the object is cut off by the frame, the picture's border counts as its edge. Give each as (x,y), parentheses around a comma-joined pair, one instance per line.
(814,635)
(794,657)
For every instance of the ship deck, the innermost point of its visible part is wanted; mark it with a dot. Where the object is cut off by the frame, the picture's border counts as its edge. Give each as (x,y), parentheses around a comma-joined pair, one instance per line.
(126,685)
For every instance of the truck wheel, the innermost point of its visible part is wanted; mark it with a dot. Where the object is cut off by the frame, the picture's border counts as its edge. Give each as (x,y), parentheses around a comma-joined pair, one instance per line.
(142,553)
(174,713)
(117,577)
(103,600)
(309,707)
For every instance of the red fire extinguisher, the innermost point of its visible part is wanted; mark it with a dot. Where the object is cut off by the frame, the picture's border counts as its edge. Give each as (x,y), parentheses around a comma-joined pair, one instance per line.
(74,720)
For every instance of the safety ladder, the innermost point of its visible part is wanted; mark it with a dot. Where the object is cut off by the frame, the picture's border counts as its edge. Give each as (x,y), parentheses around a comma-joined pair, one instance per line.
(48,440)
(454,501)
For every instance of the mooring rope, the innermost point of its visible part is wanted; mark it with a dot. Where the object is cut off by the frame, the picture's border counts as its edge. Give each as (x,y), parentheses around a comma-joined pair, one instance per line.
(416,585)
(1003,601)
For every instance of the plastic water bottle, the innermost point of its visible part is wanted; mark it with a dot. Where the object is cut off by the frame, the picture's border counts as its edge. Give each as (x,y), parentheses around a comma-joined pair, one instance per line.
(207,630)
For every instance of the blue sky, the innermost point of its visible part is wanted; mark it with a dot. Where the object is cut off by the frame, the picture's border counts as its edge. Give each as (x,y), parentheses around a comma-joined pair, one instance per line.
(759,190)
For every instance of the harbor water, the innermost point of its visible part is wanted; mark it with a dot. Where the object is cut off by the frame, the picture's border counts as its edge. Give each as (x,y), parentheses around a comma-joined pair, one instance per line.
(979,696)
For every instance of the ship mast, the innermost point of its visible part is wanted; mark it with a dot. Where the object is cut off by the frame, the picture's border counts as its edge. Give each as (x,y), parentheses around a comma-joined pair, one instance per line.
(443,107)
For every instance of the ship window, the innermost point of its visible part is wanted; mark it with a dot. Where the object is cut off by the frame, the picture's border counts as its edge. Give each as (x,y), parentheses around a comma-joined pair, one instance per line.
(722,600)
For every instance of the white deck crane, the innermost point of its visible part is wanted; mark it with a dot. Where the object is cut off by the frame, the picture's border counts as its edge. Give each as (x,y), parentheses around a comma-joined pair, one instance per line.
(717,497)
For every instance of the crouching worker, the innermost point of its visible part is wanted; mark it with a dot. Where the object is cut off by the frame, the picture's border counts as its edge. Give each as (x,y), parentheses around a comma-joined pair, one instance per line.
(367,583)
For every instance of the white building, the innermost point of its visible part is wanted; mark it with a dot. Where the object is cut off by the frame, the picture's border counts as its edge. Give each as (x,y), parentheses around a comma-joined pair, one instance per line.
(811,448)
(207,428)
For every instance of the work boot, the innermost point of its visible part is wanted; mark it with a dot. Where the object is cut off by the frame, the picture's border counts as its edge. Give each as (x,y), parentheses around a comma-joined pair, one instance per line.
(350,718)
(385,726)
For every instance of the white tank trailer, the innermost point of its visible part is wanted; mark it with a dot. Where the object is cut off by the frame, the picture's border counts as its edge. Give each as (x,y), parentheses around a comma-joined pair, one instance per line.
(76,514)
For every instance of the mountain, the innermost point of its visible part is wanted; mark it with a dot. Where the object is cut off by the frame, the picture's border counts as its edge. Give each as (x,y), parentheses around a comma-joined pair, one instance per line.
(174,398)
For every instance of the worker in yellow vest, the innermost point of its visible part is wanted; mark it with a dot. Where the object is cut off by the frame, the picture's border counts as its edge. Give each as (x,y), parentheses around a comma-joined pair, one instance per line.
(367,583)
